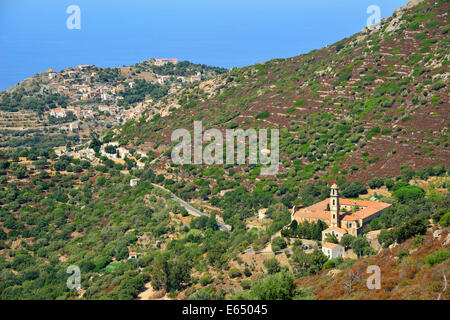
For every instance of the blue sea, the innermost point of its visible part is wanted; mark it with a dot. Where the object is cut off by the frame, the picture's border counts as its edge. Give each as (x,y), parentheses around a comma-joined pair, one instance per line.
(229,33)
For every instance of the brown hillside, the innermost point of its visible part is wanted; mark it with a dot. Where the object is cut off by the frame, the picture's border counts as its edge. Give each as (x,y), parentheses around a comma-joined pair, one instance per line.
(402,278)
(387,89)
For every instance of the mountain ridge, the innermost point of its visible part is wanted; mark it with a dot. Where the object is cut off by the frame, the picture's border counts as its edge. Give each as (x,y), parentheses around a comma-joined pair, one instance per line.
(345,113)
(392,83)
(88,99)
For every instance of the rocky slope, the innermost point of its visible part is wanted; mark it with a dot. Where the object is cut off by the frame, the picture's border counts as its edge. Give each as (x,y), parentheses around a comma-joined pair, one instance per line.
(416,269)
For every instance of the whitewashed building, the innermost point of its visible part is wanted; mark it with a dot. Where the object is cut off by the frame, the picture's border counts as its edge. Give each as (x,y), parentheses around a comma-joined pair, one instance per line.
(332,250)
(140,165)
(58,113)
(134,182)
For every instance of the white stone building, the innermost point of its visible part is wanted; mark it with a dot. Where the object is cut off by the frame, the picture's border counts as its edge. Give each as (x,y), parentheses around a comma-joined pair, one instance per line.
(58,113)
(134,182)
(332,250)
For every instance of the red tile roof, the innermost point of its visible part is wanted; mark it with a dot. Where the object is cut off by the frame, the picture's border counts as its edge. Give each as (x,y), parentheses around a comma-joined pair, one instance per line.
(368,208)
(319,210)
(330,245)
(340,230)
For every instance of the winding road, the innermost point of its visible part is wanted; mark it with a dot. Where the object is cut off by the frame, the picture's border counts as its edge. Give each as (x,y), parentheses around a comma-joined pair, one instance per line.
(262,252)
(191,210)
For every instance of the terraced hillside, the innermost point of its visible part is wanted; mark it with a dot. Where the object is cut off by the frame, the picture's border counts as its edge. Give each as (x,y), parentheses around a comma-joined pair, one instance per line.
(97,97)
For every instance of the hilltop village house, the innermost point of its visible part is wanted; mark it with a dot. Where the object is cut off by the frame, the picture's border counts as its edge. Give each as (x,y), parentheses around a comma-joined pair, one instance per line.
(58,113)
(332,250)
(341,215)
(162,62)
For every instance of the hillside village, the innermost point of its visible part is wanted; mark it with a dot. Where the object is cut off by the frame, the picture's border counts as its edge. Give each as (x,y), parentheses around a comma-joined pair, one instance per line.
(86,176)
(83,84)
(118,154)
(87,99)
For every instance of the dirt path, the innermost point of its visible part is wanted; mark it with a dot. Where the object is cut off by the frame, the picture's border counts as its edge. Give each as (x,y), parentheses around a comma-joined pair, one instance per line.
(151,294)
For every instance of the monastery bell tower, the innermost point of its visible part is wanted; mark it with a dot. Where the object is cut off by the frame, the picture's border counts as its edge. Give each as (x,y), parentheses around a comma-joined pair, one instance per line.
(334,206)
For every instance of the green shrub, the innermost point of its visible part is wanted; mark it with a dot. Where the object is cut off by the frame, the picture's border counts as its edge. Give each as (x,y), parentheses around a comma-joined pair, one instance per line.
(437,257)
(206,279)
(445,220)
(234,273)
(278,243)
(368,78)
(402,253)
(299,102)
(280,286)
(433,24)
(428,42)
(246,284)
(262,115)
(376,183)
(412,227)
(436,100)
(418,240)
(291,110)
(409,193)
(420,36)
(330,264)
(414,25)
(272,265)
(438,85)
(445,29)
(353,189)
(201,295)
